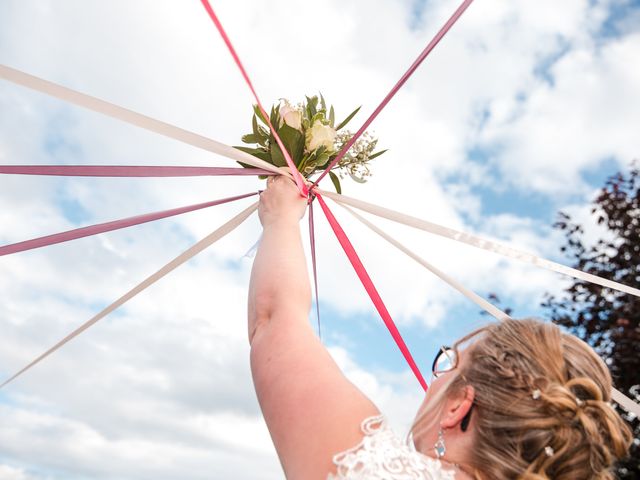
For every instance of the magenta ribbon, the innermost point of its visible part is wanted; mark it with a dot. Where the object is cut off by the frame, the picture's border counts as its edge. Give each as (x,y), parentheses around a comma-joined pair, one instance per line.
(110,226)
(302,186)
(127,171)
(441,33)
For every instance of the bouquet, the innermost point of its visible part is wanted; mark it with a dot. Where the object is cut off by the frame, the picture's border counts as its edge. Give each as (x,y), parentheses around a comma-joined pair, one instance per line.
(309,133)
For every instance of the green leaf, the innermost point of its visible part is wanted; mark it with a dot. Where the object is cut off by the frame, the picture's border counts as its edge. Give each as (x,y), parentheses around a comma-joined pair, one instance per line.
(377,154)
(276,154)
(293,141)
(336,182)
(346,120)
(256,152)
(312,104)
(322,159)
(257,111)
(323,104)
(250,138)
(275,118)
(254,124)
(332,117)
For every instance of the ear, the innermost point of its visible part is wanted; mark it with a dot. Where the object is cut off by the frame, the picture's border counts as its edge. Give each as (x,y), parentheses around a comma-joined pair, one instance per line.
(457,406)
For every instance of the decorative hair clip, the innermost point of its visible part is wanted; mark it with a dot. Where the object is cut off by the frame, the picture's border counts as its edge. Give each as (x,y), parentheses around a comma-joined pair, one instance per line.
(536,394)
(548,451)
(579,402)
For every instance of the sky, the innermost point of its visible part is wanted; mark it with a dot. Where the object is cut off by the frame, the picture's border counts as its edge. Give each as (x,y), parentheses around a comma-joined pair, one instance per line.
(522,111)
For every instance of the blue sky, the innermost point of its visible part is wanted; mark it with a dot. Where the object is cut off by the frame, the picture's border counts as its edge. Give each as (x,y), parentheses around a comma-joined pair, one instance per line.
(523,110)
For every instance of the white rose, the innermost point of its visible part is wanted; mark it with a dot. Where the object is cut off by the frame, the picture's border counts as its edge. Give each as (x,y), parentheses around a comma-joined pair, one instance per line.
(319,135)
(290,116)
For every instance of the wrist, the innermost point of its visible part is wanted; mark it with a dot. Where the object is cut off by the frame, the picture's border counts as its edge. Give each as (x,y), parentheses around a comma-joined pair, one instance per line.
(281,223)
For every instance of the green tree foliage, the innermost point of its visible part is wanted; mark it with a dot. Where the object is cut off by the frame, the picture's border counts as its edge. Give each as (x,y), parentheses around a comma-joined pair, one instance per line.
(606,319)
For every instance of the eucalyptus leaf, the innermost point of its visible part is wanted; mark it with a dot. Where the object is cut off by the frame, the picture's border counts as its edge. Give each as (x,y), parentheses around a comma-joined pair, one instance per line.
(348,119)
(332,117)
(336,182)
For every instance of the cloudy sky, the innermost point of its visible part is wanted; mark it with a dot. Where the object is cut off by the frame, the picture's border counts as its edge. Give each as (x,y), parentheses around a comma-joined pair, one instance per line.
(523,110)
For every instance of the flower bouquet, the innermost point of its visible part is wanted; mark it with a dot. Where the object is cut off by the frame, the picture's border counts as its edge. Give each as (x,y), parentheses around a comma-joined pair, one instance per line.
(312,138)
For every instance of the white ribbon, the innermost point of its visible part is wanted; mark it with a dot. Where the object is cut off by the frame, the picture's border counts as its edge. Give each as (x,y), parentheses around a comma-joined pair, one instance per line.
(478,242)
(172,265)
(617,396)
(133,118)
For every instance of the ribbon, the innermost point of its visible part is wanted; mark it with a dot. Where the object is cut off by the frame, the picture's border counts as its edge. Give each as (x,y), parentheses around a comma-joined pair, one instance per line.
(441,33)
(312,241)
(302,187)
(371,289)
(617,396)
(109,226)
(172,265)
(478,242)
(131,117)
(127,171)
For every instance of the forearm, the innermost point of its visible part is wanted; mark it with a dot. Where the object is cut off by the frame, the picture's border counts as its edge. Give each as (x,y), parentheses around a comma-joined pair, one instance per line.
(279,278)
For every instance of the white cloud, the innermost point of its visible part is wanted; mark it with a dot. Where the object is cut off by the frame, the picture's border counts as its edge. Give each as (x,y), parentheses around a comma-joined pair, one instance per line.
(163,388)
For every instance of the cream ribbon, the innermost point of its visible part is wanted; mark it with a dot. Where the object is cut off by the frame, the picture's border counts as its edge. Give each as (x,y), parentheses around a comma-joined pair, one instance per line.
(477,242)
(617,396)
(172,265)
(131,117)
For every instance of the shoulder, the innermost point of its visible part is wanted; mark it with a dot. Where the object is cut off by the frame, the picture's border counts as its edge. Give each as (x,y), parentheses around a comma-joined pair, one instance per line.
(381,454)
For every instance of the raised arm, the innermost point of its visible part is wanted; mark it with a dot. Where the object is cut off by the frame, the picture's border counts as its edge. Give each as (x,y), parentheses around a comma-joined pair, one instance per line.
(311,409)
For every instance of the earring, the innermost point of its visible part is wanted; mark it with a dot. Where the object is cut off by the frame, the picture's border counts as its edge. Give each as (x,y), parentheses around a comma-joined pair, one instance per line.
(439,448)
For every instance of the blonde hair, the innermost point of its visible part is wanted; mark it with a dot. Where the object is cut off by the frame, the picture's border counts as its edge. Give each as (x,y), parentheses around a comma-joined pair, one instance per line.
(542,405)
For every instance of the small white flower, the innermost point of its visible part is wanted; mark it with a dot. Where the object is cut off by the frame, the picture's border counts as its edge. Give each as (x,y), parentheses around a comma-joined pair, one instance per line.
(291,116)
(320,135)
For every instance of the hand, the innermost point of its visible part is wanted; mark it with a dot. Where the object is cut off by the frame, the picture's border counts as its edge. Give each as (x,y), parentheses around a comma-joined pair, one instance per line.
(281,202)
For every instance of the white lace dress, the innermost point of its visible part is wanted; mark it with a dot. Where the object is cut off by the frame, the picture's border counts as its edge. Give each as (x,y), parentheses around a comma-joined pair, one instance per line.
(382,455)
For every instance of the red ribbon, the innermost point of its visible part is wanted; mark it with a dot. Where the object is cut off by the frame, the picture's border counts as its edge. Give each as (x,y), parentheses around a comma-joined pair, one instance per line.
(371,289)
(127,171)
(304,190)
(109,226)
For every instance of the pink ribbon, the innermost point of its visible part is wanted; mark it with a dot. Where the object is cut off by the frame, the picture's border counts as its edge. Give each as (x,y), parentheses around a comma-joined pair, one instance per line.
(109,226)
(127,171)
(371,290)
(441,33)
(304,190)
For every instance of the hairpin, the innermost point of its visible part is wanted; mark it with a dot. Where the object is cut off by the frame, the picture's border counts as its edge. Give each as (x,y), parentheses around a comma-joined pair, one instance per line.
(536,394)
(548,451)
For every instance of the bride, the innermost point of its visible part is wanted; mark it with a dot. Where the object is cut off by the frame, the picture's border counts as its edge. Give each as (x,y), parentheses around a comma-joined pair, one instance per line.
(517,399)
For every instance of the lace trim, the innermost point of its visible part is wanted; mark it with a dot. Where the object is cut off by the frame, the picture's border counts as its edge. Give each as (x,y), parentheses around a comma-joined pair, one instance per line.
(381,455)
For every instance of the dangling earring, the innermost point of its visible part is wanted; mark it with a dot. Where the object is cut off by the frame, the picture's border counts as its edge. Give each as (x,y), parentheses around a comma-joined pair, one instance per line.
(439,448)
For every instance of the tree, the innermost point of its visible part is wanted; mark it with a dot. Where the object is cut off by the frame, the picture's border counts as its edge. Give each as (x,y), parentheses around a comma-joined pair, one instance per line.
(606,319)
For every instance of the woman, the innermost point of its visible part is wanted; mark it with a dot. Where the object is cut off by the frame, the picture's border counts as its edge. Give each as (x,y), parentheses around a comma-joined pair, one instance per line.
(516,399)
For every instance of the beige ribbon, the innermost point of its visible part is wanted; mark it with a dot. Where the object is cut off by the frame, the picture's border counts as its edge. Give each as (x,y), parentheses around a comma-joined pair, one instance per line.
(478,242)
(172,265)
(131,117)
(617,396)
